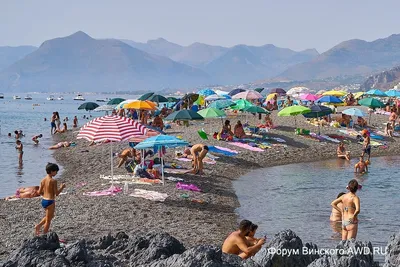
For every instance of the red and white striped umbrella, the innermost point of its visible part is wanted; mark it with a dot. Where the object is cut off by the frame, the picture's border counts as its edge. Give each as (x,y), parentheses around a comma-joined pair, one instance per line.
(113,128)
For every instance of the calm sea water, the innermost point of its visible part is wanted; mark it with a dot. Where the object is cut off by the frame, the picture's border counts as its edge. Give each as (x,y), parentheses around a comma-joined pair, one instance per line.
(21,114)
(298,197)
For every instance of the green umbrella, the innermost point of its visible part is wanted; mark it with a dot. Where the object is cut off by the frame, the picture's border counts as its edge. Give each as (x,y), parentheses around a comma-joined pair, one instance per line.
(146,96)
(371,103)
(88,106)
(293,111)
(184,115)
(212,113)
(259,90)
(256,109)
(221,104)
(115,101)
(158,98)
(172,99)
(241,104)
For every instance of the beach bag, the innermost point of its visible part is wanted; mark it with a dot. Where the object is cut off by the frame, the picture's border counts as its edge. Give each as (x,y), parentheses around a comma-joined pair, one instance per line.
(130,166)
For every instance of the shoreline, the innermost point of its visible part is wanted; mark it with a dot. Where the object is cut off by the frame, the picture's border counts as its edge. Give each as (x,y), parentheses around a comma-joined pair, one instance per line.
(192,223)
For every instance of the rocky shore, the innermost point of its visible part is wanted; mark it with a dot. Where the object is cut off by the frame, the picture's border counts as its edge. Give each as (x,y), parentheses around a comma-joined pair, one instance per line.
(204,217)
(159,249)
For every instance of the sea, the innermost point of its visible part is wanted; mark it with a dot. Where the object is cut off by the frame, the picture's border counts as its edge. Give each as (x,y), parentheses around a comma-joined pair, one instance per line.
(29,116)
(298,197)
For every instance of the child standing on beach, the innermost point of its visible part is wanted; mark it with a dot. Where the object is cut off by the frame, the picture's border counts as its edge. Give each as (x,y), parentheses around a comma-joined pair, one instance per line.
(48,190)
(20,149)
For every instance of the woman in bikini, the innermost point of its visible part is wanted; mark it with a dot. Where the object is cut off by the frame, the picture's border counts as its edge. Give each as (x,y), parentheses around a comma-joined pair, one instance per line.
(350,210)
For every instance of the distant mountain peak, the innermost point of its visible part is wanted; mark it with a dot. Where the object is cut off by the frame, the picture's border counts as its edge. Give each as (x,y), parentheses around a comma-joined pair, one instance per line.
(80,35)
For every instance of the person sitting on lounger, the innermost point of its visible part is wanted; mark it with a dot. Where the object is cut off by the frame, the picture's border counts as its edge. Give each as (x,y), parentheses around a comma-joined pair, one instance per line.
(199,152)
(128,153)
(237,244)
(25,192)
(63,130)
(239,131)
(342,153)
(61,144)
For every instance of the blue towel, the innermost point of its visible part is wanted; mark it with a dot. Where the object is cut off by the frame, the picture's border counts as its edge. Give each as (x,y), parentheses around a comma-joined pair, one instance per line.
(213,149)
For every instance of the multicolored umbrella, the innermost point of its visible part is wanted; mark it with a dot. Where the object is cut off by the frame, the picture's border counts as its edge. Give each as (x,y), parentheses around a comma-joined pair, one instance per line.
(206,92)
(248,95)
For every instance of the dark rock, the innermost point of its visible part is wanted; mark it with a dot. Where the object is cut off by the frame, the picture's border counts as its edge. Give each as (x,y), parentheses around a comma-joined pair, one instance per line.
(392,257)
(105,241)
(277,251)
(77,252)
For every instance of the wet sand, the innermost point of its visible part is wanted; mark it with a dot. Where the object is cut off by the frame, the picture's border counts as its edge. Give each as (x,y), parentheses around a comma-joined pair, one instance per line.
(79,216)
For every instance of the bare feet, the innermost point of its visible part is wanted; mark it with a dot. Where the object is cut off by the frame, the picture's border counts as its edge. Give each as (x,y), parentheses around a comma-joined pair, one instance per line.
(37,229)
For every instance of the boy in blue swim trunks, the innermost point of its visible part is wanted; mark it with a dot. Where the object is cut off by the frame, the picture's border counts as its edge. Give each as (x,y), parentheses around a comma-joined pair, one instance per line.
(48,190)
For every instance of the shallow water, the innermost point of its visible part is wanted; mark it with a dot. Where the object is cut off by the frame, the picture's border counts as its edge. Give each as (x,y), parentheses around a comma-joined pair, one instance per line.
(21,114)
(298,196)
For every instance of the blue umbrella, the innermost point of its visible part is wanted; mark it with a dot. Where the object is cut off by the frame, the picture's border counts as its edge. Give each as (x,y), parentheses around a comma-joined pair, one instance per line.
(392,93)
(221,104)
(353,112)
(236,91)
(159,141)
(206,92)
(329,99)
(375,92)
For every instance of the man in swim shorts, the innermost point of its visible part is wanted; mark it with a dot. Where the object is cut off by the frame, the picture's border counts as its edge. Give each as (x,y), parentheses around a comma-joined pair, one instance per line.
(366,144)
(236,243)
(361,166)
(35,139)
(199,152)
(48,190)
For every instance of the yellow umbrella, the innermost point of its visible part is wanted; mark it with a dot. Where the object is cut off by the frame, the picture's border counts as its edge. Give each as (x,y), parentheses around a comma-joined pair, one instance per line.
(139,104)
(271,96)
(335,93)
(358,95)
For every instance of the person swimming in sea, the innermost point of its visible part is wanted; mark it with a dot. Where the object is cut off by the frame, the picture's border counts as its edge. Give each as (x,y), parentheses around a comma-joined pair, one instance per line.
(20,149)
(361,166)
(35,139)
(349,211)
(342,153)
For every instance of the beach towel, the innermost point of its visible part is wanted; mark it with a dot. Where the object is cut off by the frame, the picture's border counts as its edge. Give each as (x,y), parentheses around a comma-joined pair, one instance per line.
(116,177)
(222,150)
(246,146)
(176,171)
(280,140)
(189,187)
(373,143)
(174,179)
(150,195)
(205,160)
(326,137)
(383,133)
(134,181)
(112,191)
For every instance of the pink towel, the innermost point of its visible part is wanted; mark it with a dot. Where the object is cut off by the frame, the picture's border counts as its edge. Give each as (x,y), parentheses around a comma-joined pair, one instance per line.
(246,146)
(190,187)
(112,191)
(227,149)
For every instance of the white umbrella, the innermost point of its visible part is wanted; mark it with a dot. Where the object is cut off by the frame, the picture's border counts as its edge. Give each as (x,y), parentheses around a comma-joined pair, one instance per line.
(296,91)
(105,108)
(214,97)
(248,95)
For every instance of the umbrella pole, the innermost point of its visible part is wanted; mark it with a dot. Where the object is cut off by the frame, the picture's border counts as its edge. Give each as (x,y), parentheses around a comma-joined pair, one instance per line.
(162,165)
(112,165)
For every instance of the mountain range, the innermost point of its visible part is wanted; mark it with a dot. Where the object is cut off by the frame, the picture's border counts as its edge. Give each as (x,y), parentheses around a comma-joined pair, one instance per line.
(81,63)
(353,57)
(383,80)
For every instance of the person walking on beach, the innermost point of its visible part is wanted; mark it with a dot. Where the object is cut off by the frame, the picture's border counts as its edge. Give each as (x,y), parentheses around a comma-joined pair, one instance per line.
(48,190)
(236,243)
(350,210)
(20,149)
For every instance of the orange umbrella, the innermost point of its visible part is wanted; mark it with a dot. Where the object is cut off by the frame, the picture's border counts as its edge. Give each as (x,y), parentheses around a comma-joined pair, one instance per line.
(139,104)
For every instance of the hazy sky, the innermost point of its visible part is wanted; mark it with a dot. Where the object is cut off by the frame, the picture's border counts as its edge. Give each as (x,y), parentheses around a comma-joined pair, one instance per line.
(295,24)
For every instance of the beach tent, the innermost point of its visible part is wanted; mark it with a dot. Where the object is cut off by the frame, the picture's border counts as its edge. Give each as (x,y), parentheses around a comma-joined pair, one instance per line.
(113,129)
(157,143)
(294,111)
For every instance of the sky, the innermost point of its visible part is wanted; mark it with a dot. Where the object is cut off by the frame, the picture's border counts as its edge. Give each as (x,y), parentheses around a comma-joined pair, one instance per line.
(294,24)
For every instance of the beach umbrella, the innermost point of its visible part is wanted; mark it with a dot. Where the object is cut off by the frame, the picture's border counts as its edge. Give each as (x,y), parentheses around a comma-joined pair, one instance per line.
(200,100)
(112,128)
(358,94)
(184,115)
(296,91)
(105,108)
(120,105)
(371,103)
(278,91)
(191,97)
(329,99)
(259,90)
(320,92)
(241,104)
(146,96)
(293,111)
(236,91)
(221,104)
(158,142)
(139,104)
(354,112)
(115,101)
(206,92)
(220,92)
(158,98)
(335,93)
(248,95)
(392,93)
(271,96)
(172,99)
(88,106)
(375,92)
(318,111)
(214,97)
(309,97)
(256,109)
(212,113)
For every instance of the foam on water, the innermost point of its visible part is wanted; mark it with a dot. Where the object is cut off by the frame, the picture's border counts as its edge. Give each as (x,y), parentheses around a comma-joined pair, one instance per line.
(298,197)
